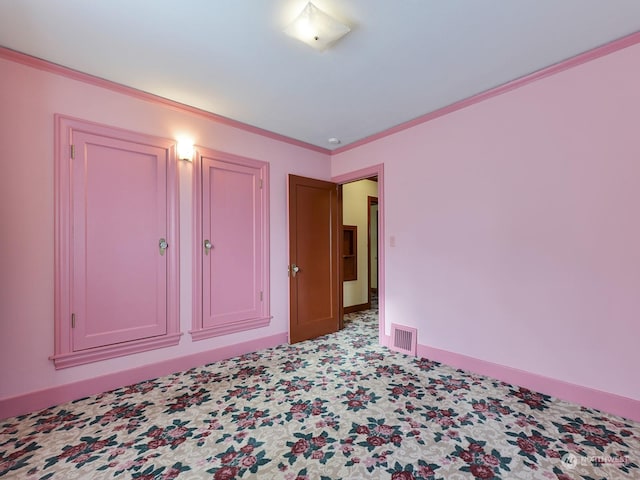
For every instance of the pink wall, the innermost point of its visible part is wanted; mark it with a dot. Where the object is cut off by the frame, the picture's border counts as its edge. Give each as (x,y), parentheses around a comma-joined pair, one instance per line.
(29,97)
(524,250)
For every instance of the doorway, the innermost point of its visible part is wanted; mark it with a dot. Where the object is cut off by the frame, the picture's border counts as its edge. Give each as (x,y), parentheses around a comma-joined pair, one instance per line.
(372,253)
(302,269)
(360,235)
(376,171)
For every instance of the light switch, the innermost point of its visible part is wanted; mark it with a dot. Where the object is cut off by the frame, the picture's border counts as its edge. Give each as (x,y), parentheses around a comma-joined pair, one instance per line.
(392,241)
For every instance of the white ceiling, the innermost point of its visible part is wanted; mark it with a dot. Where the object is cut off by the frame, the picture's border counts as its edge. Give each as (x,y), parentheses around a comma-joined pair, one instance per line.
(402,59)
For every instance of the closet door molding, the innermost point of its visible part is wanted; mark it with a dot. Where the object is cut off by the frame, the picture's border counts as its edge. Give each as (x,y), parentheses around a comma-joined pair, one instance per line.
(116,292)
(231,244)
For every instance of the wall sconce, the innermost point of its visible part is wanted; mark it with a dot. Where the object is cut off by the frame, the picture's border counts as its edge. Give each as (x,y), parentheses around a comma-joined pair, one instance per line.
(315,28)
(185,151)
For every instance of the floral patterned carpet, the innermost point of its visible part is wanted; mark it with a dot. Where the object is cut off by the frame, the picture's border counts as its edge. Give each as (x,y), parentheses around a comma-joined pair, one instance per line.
(339,407)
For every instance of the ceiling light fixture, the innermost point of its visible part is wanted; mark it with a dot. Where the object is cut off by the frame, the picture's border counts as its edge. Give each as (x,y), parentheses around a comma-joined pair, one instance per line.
(315,28)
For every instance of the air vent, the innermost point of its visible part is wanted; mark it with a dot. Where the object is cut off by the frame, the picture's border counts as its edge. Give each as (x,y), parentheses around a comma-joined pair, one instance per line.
(404,339)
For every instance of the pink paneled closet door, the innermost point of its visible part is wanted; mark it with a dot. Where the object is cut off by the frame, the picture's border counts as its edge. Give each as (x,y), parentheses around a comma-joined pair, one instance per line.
(119,219)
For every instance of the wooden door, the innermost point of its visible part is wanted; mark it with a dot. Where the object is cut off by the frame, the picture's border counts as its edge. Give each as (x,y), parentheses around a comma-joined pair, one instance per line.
(314,276)
(119,216)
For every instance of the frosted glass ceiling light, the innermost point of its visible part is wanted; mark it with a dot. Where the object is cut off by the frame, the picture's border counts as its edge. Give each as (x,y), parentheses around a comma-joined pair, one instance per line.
(316,28)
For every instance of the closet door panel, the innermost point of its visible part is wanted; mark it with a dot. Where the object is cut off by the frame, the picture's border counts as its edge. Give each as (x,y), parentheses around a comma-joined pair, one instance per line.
(119,216)
(232,222)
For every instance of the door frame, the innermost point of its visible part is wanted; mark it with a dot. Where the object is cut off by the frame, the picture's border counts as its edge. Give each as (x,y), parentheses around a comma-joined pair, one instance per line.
(362,174)
(64,354)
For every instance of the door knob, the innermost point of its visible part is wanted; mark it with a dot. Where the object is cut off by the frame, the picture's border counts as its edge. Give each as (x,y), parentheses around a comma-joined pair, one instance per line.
(163,245)
(294,269)
(207,247)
